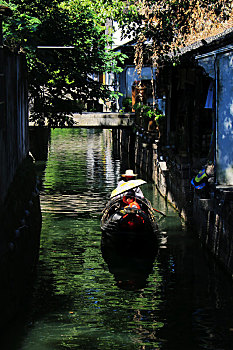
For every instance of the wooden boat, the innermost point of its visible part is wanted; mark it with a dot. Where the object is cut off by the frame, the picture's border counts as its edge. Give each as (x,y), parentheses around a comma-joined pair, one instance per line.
(122,221)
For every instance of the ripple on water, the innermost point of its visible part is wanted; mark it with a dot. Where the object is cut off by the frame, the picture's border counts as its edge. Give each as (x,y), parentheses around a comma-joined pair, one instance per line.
(89,295)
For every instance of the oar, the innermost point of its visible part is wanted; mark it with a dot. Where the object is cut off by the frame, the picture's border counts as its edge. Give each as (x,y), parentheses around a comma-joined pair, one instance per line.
(158,211)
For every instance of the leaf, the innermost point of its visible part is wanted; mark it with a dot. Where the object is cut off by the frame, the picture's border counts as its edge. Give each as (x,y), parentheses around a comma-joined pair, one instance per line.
(52,72)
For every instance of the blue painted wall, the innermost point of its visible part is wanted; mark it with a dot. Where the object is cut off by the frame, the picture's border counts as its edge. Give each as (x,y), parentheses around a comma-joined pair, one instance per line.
(131,76)
(219,66)
(224,155)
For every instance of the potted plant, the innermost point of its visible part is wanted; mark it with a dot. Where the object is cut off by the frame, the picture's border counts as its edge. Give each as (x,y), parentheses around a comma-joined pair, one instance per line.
(149,117)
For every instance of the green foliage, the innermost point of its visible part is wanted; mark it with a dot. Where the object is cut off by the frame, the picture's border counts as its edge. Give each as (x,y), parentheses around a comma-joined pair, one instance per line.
(127,104)
(170,24)
(114,61)
(62,80)
(115,95)
(153,113)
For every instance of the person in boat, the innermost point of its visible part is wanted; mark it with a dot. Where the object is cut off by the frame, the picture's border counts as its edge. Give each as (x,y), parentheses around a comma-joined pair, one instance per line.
(130,200)
(129,175)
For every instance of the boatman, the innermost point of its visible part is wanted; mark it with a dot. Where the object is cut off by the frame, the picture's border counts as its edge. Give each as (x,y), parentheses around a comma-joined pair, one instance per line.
(130,200)
(129,175)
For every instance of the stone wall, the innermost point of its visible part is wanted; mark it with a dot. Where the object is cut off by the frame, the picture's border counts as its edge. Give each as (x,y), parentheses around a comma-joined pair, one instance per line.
(207,213)
(39,140)
(214,222)
(19,240)
(20,214)
(211,217)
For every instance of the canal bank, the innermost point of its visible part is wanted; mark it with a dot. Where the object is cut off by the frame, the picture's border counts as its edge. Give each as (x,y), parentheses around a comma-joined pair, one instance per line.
(20,214)
(209,211)
(19,241)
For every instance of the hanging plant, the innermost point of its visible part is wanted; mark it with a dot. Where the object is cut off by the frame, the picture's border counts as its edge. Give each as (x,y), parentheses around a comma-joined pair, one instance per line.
(148,112)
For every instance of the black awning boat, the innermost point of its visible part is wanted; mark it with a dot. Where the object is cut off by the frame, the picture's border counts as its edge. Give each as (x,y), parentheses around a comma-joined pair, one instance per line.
(120,220)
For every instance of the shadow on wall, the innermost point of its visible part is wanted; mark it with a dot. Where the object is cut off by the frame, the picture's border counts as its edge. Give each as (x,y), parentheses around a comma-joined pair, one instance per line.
(19,240)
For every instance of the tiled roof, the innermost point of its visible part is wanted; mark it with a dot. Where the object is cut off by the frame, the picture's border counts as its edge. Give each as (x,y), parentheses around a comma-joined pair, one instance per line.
(218,34)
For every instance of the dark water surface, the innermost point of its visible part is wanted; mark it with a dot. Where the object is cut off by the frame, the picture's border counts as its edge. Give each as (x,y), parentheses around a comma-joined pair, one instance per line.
(86,297)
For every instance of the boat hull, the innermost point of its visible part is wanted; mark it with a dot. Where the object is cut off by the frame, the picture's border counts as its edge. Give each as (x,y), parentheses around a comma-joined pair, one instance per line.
(130,223)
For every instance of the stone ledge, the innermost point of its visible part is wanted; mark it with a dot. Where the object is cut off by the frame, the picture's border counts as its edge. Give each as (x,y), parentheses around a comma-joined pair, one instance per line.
(206,204)
(100,120)
(103,119)
(226,192)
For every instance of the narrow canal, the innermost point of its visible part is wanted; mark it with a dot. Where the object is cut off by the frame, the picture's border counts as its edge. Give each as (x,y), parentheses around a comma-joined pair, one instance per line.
(85,297)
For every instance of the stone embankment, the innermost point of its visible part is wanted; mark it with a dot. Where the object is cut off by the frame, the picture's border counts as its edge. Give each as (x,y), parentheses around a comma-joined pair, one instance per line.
(100,120)
(20,214)
(19,240)
(209,214)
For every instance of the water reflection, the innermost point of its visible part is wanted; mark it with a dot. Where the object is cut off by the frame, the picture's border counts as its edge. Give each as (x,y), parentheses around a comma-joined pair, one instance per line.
(129,262)
(88,308)
(179,298)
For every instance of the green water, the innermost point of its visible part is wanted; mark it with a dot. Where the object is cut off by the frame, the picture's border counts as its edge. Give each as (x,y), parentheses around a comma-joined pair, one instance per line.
(85,297)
